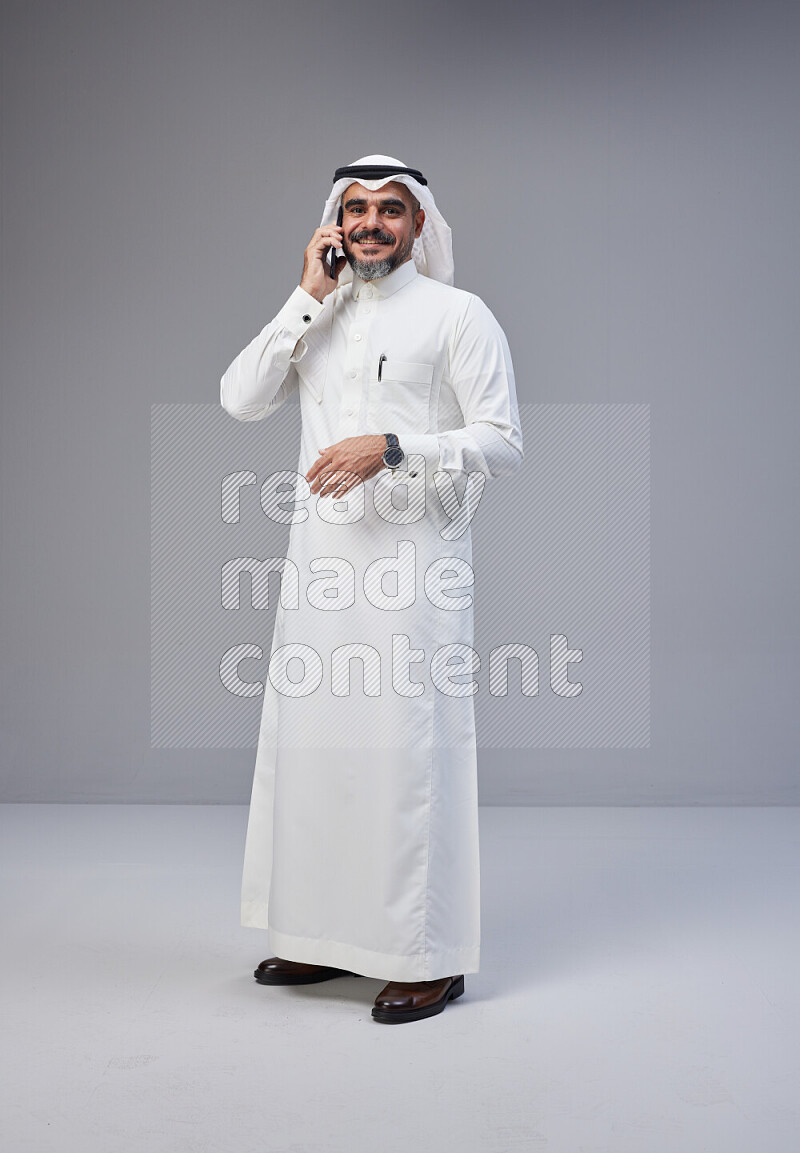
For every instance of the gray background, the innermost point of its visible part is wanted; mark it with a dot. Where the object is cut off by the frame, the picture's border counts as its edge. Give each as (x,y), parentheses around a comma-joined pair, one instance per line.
(622,184)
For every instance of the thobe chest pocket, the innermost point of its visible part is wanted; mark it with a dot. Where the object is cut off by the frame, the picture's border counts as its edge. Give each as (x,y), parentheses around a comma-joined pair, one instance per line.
(401,400)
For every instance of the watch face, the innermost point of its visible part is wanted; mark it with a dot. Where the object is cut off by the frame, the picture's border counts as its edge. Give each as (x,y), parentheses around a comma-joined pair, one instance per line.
(392,457)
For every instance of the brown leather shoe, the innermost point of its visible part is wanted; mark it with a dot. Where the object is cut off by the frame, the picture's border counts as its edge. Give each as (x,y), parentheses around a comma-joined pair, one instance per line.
(278,971)
(411,1000)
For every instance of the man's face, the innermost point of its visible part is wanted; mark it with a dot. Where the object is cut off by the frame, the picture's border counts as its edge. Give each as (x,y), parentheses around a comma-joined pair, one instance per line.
(378,228)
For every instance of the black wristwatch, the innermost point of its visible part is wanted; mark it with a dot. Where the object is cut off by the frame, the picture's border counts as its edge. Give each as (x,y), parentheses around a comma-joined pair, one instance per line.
(393,455)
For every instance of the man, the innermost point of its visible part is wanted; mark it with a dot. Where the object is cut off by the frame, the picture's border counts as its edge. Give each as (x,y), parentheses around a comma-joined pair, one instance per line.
(362,843)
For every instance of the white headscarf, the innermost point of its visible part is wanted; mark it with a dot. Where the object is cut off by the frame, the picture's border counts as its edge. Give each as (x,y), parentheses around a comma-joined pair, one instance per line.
(433,248)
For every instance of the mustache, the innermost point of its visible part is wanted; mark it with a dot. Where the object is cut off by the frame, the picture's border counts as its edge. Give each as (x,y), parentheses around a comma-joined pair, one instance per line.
(382,237)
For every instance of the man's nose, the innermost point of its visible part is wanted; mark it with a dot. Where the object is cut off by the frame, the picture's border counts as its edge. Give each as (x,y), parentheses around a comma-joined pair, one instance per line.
(372,220)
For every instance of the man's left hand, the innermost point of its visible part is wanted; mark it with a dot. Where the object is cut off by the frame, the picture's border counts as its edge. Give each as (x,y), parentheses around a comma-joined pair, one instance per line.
(345,465)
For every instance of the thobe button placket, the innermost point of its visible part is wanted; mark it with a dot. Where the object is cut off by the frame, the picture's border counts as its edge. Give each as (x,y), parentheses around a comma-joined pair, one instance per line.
(358,344)
(350,404)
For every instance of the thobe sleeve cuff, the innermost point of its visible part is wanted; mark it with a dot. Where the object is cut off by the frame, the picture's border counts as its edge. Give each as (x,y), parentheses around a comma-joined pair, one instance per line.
(298,313)
(425,444)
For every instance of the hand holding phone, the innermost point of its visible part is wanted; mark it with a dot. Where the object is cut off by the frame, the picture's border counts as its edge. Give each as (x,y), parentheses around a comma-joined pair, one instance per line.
(321,266)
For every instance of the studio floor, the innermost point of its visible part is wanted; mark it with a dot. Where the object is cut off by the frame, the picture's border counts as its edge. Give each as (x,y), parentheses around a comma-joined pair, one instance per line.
(638,993)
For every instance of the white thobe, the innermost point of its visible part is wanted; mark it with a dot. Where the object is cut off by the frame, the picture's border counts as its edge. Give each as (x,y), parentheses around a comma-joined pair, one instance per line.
(362,839)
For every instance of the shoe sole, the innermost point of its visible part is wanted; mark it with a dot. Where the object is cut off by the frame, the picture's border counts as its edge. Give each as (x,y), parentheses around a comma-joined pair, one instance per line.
(301,978)
(389,1017)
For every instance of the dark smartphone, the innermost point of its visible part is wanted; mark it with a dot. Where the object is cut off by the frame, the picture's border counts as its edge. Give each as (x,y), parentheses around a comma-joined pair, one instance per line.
(332,249)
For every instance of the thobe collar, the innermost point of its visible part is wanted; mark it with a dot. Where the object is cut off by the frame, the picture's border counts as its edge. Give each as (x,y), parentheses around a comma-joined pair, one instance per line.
(386,285)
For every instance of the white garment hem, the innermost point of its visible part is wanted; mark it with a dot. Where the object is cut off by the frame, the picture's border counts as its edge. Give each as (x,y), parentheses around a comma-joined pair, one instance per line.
(386,966)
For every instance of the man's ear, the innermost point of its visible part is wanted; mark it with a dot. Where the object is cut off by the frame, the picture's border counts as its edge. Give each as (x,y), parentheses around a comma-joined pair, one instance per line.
(419,220)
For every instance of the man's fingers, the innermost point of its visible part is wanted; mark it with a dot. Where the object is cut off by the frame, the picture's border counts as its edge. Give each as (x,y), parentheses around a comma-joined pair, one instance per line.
(317,478)
(341,487)
(325,237)
(337,479)
(318,464)
(333,478)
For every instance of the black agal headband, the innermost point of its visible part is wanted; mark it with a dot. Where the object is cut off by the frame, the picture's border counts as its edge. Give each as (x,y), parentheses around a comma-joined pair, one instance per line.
(377,172)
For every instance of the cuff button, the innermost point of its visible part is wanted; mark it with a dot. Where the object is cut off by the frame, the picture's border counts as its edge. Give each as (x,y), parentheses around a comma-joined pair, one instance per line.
(307,318)
(412,474)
